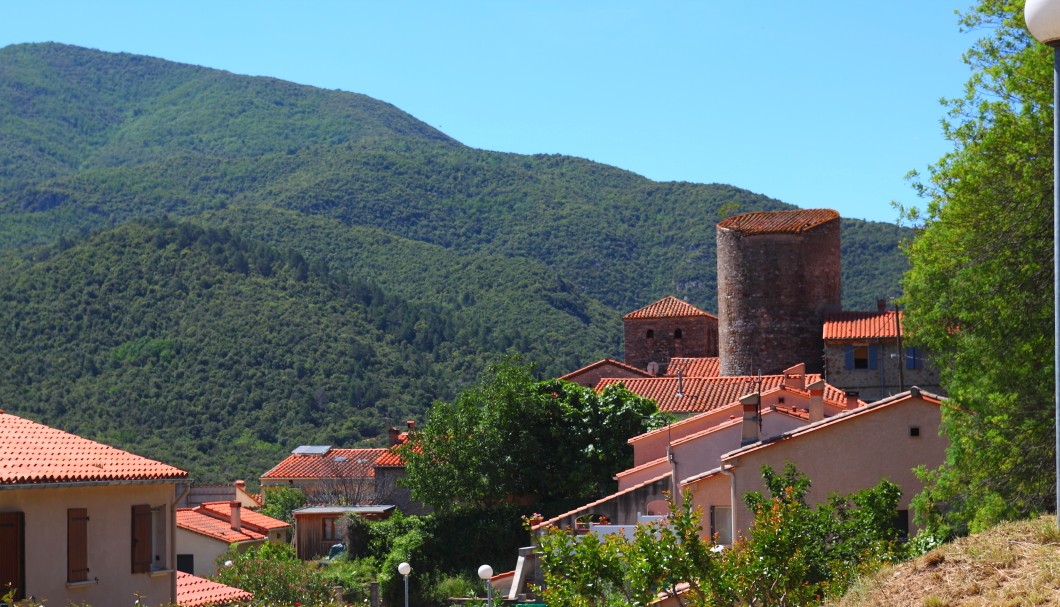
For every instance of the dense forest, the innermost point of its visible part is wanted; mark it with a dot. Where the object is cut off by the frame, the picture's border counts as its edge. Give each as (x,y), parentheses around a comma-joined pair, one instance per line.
(199,265)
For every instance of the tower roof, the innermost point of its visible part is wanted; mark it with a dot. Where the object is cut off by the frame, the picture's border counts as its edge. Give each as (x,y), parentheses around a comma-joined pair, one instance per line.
(775,222)
(667,307)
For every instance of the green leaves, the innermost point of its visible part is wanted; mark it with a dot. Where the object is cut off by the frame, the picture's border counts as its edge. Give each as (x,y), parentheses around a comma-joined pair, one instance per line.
(511,437)
(978,294)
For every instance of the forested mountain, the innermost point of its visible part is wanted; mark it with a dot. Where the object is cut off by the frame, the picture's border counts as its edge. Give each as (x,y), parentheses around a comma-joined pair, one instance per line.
(537,254)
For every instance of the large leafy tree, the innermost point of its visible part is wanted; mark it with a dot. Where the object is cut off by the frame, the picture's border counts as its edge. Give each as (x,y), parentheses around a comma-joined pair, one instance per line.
(512,437)
(978,293)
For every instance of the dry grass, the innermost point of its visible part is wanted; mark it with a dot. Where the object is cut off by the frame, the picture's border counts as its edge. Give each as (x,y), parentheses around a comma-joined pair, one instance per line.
(1011,565)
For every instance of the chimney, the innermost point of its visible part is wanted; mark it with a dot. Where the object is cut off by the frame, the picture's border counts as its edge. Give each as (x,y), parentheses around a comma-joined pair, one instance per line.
(816,401)
(795,377)
(751,419)
(852,399)
(410,424)
(881,305)
(237,515)
(241,485)
(393,432)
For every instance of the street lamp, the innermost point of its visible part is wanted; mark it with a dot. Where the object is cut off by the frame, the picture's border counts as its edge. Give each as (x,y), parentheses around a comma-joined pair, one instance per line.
(1043,20)
(485,572)
(405,569)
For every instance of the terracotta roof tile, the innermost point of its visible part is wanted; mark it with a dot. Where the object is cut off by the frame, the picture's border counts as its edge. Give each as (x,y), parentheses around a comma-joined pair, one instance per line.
(391,458)
(702,394)
(194,591)
(772,222)
(606,362)
(667,307)
(32,453)
(861,325)
(694,367)
(336,463)
(254,520)
(191,519)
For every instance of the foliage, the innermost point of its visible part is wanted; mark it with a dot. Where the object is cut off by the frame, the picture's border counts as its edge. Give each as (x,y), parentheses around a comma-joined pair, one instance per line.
(978,293)
(281,501)
(511,437)
(274,575)
(793,554)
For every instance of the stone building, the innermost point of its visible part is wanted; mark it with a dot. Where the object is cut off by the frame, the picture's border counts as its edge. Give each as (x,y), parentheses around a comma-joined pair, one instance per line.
(668,328)
(778,275)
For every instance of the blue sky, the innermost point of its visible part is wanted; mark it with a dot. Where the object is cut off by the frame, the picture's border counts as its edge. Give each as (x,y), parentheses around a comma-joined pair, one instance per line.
(825,103)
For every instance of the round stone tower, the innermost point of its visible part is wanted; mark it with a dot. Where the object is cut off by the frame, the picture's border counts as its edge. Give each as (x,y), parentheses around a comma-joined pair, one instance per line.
(778,274)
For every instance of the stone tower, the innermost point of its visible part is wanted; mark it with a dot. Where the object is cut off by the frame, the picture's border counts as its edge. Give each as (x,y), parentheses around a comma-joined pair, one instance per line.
(667,329)
(778,274)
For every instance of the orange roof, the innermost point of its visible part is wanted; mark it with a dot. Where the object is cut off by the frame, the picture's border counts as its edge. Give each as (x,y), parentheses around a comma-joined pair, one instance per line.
(861,325)
(391,458)
(336,463)
(667,307)
(32,453)
(695,367)
(191,519)
(699,394)
(773,222)
(194,591)
(255,520)
(605,362)
(590,505)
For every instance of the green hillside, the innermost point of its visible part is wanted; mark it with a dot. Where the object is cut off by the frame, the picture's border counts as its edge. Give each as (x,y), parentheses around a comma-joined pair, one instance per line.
(501,252)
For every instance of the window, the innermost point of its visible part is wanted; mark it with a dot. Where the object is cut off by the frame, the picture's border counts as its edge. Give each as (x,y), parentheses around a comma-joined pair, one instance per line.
(77,545)
(650,334)
(677,333)
(901,523)
(186,563)
(330,533)
(914,358)
(721,524)
(914,431)
(861,357)
(13,553)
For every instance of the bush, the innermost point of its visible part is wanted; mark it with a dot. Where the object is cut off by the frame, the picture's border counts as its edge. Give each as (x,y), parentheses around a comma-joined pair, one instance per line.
(275,575)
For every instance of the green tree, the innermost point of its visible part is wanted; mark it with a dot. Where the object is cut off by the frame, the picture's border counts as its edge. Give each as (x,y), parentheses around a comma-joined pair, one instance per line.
(978,292)
(513,437)
(280,501)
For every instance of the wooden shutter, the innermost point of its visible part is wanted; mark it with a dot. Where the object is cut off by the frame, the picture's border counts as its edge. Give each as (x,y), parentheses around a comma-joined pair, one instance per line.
(13,553)
(849,357)
(141,538)
(76,544)
(874,352)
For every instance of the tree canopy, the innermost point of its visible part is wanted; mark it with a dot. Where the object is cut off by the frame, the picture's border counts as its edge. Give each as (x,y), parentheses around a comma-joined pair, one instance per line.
(511,437)
(978,293)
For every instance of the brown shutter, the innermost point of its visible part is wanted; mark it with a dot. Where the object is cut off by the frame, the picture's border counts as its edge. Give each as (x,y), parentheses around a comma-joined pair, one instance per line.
(141,539)
(12,553)
(76,544)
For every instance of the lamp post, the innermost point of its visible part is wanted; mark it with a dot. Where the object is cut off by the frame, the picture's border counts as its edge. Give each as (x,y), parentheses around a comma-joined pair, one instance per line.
(405,569)
(1043,20)
(485,572)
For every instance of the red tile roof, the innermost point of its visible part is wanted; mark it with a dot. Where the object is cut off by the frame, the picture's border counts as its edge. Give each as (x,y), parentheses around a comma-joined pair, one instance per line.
(610,362)
(391,458)
(773,222)
(701,394)
(191,519)
(336,463)
(694,367)
(861,325)
(254,520)
(667,307)
(194,591)
(32,453)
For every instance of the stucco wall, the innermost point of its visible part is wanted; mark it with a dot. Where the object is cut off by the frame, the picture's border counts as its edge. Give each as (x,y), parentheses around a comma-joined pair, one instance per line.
(109,543)
(851,455)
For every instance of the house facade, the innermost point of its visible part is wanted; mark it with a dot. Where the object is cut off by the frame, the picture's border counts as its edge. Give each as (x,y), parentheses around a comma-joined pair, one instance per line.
(845,453)
(865,352)
(207,531)
(82,522)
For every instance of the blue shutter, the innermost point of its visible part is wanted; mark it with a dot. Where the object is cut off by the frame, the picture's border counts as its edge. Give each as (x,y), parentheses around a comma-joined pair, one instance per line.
(912,358)
(850,358)
(873,355)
